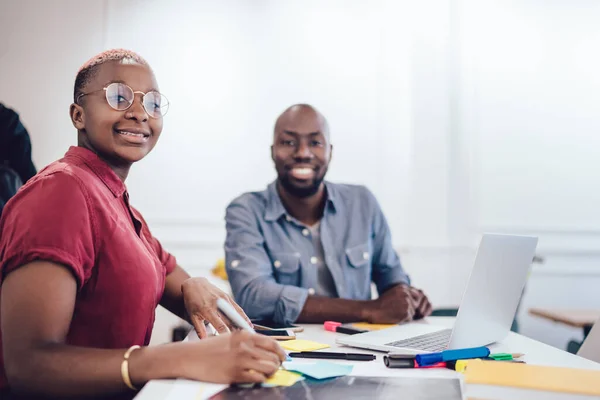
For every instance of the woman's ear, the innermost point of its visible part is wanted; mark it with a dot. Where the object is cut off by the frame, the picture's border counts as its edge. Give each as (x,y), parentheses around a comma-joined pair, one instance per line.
(77,116)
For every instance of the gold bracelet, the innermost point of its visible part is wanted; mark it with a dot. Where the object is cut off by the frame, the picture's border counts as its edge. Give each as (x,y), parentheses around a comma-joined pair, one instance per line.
(125,367)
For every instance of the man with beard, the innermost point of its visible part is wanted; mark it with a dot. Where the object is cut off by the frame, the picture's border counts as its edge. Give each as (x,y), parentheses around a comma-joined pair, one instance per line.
(306,250)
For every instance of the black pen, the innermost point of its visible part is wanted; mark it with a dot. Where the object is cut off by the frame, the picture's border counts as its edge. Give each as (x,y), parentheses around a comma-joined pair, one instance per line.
(349,331)
(334,356)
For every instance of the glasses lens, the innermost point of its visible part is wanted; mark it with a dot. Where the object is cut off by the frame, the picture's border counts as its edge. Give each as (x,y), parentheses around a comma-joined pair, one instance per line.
(156,104)
(119,96)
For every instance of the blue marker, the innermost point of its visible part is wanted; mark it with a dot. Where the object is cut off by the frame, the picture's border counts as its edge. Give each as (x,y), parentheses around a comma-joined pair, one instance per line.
(452,355)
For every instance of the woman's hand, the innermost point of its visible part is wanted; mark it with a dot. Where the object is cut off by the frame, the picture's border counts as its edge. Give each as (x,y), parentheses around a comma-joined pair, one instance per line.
(200,298)
(238,357)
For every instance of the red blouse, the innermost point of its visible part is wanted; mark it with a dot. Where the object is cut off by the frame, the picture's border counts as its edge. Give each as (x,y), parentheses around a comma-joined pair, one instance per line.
(76,212)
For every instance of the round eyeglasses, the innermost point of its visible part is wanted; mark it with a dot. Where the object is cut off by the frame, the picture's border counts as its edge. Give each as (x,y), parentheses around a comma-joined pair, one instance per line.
(120,97)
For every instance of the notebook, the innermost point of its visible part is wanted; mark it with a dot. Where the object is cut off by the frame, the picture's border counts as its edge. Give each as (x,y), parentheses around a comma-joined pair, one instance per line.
(536,378)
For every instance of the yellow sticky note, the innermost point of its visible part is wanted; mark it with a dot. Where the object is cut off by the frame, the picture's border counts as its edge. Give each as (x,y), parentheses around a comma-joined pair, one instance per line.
(302,345)
(372,327)
(283,378)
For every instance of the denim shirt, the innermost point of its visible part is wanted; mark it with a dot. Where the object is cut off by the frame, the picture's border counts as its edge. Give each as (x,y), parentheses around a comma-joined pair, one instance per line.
(268,252)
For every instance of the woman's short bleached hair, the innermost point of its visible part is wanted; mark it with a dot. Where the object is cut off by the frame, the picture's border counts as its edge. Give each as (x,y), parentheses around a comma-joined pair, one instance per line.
(90,68)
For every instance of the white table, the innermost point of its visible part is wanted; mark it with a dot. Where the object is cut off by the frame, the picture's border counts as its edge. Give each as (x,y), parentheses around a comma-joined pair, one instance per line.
(535,353)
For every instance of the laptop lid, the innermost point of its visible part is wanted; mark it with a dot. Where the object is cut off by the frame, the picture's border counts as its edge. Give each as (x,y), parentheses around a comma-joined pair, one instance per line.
(590,348)
(494,290)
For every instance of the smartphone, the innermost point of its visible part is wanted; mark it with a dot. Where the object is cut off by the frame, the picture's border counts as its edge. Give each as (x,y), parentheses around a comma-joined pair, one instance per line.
(270,325)
(277,334)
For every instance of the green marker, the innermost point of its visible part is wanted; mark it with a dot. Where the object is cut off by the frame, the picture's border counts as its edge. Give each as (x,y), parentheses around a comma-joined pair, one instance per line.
(504,356)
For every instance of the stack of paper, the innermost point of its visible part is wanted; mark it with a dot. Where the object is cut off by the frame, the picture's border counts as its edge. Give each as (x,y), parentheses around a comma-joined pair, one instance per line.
(526,381)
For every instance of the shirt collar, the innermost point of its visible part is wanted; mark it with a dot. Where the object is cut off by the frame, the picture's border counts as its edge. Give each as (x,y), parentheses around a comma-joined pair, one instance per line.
(100,168)
(276,210)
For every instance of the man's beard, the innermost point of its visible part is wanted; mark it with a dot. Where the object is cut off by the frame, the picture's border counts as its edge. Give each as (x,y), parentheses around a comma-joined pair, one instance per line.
(300,192)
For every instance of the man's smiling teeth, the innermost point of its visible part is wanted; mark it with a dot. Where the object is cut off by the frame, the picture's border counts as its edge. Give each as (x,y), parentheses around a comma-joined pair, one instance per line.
(302,172)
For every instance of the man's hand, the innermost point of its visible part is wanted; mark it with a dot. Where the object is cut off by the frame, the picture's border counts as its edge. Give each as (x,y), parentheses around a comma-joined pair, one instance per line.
(400,303)
(200,298)
(395,305)
(421,303)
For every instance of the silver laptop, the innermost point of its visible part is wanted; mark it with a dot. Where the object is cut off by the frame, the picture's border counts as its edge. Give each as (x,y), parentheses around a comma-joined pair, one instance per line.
(486,311)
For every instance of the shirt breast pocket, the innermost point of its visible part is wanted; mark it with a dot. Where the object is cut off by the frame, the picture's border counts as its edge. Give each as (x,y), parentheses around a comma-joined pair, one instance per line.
(287,268)
(359,256)
(358,273)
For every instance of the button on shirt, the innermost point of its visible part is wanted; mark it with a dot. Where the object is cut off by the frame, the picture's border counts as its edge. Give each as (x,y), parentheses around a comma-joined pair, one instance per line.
(76,213)
(270,256)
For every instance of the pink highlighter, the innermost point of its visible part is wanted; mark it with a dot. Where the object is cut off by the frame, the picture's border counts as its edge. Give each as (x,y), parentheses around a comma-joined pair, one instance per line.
(333,326)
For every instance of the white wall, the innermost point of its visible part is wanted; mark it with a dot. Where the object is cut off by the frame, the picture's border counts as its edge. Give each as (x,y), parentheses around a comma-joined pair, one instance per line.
(462,116)
(530,90)
(43,44)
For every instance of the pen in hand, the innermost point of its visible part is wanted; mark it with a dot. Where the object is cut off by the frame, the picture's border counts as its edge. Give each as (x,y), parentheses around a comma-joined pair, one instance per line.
(233,316)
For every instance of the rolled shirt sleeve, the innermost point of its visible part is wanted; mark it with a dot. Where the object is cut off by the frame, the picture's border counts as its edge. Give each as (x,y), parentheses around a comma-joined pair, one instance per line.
(50,220)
